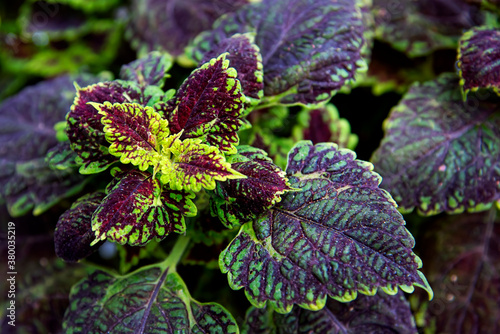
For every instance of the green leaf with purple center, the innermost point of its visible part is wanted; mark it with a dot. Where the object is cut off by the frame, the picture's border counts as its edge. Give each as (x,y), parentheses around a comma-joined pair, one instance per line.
(440,153)
(479,60)
(150,70)
(138,209)
(209,105)
(241,200)
(135,132)
(339,236)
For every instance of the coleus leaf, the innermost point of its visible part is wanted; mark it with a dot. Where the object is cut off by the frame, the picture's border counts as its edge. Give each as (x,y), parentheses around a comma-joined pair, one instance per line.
(73,234)
(419,27)
(241,200)
(340,235)
(135,132)
(381,313)
(440,153)
(137,209)
(170,25)
(27,134)
(149,70)
(191,165)
(321,125)
(153,299)
(61,156)
(85,130)
(309,51)
(209,104)
(462,261)
(478,59)
(245,57)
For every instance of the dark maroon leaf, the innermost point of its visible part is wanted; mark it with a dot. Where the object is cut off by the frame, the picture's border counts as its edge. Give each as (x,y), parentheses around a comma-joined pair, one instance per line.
(73,234)
(209,103)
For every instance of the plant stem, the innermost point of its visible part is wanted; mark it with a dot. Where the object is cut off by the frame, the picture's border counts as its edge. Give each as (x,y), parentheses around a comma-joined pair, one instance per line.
(176,254)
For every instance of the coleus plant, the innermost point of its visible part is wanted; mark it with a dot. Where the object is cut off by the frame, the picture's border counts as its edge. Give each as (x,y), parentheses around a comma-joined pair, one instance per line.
(305,229)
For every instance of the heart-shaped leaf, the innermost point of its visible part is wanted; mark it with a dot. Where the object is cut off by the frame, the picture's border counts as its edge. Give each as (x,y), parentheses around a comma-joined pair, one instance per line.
(137,210)
(209,104)
(153,299)
(73,234)
(309,51)
(381,313)
(135,132)
(340,235)
(150,70)
(245,57)
(440,153)
(241,200)
(192,166)
(478,59)
(27,133)
(85,130)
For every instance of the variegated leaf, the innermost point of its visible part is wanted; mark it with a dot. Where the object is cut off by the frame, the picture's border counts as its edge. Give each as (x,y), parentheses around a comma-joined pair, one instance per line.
(135,132)
(136,210)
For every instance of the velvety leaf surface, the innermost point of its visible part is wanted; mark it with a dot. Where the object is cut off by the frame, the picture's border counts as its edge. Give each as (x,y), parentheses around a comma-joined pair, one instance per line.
(209,103)
(170,25)
(241,200)
(26,134)
(419,27)
(479,59)
(340,235)
(323,125)
(137,210)
(150,300)
(195,166)
(309,51)
(381,313)
(245,57)
(73,234)
(440,153)
(149,70)
(135,132)
(85,130)
(462,258)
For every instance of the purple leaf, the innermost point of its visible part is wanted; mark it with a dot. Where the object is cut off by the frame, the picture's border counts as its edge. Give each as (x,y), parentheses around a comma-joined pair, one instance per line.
(479,59)
(209,104)
(171,24)
(73,234)
(137,210)
(309,51)
(149,70)
(338,236)
(440,153)
(27,133)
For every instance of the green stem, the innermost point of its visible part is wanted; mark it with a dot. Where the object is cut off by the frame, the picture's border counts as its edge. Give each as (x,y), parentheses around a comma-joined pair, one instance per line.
(176,254)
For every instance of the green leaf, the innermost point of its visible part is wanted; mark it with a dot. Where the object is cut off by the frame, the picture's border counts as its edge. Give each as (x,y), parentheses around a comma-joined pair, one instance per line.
(310,49)
(149,70)
(381,313)
(190,165)
(137,209)
(153,299)
(61,157)
(479,60)
(135,132)
(209,105)
(440,153)
(339,236)
(241,200)
(462,262)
